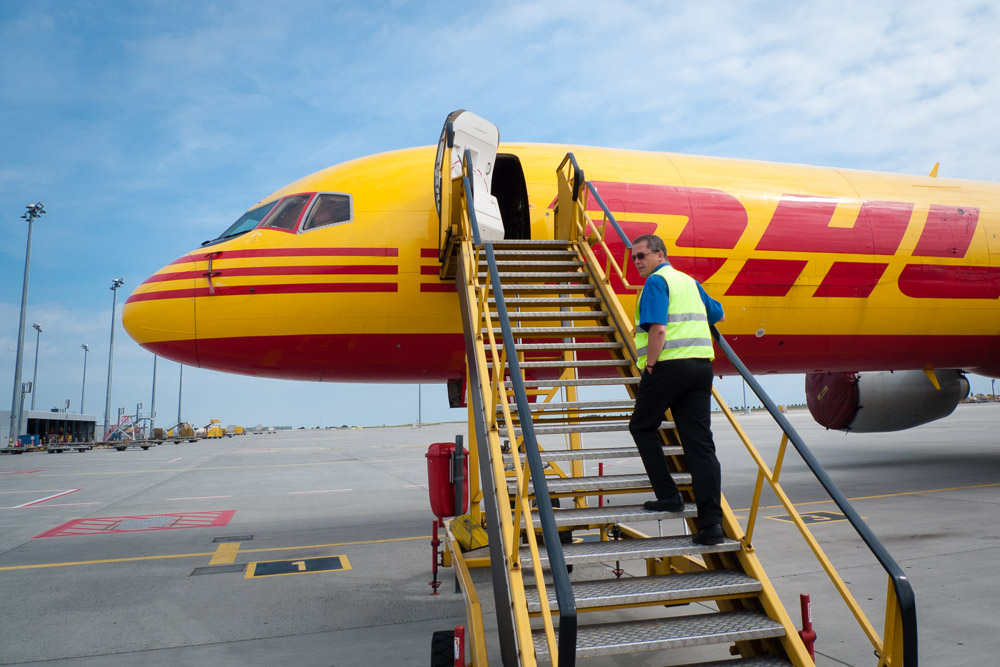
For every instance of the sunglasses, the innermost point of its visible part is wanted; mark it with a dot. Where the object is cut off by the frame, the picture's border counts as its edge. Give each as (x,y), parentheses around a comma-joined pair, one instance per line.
(643,255)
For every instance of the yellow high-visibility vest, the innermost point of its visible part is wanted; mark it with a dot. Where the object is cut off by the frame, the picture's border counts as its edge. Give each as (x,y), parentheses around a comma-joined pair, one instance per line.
(688,336)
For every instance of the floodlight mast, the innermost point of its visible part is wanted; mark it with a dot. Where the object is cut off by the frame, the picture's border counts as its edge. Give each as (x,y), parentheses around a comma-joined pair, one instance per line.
(34,211)
(115,284)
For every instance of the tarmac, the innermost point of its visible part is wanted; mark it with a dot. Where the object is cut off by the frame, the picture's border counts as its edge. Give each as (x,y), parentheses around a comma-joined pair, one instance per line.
(313,547)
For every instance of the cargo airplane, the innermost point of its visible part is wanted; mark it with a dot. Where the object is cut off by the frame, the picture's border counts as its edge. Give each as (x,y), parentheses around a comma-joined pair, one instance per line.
(839,274)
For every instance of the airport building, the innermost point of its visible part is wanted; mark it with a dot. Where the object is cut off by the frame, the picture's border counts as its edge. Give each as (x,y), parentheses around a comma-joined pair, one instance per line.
(48,427)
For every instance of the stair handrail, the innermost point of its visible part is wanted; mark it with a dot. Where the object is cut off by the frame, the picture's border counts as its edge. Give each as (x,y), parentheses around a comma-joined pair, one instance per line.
(581,220)
(546,516)
(905,598)
(470,202)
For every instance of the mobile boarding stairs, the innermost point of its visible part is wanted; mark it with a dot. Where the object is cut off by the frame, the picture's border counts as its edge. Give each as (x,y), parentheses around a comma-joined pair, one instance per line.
(541,320)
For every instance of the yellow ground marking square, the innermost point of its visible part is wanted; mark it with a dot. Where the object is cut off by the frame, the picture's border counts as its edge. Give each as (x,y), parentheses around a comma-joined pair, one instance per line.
(280,568)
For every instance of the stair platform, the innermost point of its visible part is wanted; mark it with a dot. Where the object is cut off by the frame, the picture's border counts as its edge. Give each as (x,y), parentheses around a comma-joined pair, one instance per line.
(650,590)
(653,547)
(662,634)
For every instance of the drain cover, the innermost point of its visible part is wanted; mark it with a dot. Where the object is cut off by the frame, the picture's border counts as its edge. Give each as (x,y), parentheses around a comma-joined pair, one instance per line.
(148,522)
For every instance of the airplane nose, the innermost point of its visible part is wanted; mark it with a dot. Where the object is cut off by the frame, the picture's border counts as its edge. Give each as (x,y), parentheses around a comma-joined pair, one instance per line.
(159,315)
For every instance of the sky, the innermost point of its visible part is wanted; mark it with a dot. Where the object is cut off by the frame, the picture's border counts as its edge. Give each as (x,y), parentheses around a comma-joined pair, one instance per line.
(148,127)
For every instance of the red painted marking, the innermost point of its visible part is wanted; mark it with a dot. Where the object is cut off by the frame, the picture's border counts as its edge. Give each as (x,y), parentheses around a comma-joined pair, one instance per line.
(948,232)
(243,290)
(931,281)
(437,287)
(18,472)
(699,268)
(42,500)
(716,219)
(801,224)
(107,524)
(776,353)
(766,277)
(197,256)
(430,270)
(429,252)
(851,279)
(374,357)
(318,270)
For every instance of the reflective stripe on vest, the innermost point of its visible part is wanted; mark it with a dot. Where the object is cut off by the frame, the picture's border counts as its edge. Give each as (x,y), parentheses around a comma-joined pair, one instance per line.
(687,336)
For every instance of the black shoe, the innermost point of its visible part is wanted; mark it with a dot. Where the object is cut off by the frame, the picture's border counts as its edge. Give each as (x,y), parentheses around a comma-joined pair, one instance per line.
(709,535)
(675,504)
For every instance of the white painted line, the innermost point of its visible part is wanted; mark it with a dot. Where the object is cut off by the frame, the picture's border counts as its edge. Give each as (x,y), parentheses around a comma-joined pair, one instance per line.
(301,493)
(30,491)
(415,486)
(177,459)
(71,504)
(42,500)
(199,498)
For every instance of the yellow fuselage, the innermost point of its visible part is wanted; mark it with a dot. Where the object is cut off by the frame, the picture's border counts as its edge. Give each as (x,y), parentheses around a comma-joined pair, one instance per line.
(817,268)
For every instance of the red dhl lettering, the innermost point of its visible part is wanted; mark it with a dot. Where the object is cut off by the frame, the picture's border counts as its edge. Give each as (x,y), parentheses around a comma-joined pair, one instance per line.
(801,223)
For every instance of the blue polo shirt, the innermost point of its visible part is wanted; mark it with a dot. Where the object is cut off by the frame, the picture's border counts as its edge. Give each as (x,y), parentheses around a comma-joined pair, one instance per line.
(655,300)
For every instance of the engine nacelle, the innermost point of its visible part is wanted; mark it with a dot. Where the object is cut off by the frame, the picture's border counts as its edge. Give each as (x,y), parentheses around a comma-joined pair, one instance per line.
(882,401)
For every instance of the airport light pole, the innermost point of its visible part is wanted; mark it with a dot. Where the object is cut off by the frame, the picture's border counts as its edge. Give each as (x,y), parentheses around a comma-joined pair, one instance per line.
(34,379)
(180,394)
(115,284)
(83,388)
(34,211)
(152,402)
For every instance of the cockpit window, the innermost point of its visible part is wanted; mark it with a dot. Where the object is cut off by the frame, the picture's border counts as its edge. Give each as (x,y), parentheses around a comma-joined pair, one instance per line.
(247,221)
(287,213)
(328,209)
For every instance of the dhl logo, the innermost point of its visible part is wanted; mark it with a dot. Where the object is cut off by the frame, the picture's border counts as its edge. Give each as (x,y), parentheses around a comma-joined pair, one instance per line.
(717,220)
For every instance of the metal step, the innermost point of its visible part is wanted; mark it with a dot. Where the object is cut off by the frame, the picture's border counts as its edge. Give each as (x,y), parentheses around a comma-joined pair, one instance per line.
(514,276)
(594,485)
(536,243)
(550,263)
(627,404)
(614,514)
(515,252)
(548,287)
(598,427)
(576,382)
(555,315)
(561,332)
(568,345)
(595,454)
(652,547)
(569,364)
(534,302)
(650,590)
(661,634)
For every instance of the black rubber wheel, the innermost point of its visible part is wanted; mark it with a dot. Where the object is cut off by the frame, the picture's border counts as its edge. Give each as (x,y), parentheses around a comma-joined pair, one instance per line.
(120,449)
(443,648)
(145,447)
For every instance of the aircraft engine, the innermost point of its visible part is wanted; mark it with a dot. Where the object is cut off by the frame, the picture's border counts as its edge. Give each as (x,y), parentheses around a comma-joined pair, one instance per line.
(875,402)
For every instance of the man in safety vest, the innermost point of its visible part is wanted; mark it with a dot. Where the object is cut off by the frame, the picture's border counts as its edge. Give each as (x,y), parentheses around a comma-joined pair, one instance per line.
(674,347)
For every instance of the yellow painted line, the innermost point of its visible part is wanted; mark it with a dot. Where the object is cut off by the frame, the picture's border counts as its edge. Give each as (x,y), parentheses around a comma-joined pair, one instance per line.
(884,495)
(107,560)
(225,554)
(337,544)
(208,553)
(338,462)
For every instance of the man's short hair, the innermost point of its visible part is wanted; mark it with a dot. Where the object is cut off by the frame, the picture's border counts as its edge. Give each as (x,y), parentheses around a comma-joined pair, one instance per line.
(653,242)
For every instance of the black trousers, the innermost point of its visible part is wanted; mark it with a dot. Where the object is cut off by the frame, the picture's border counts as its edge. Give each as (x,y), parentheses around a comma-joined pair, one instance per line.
(685,387)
